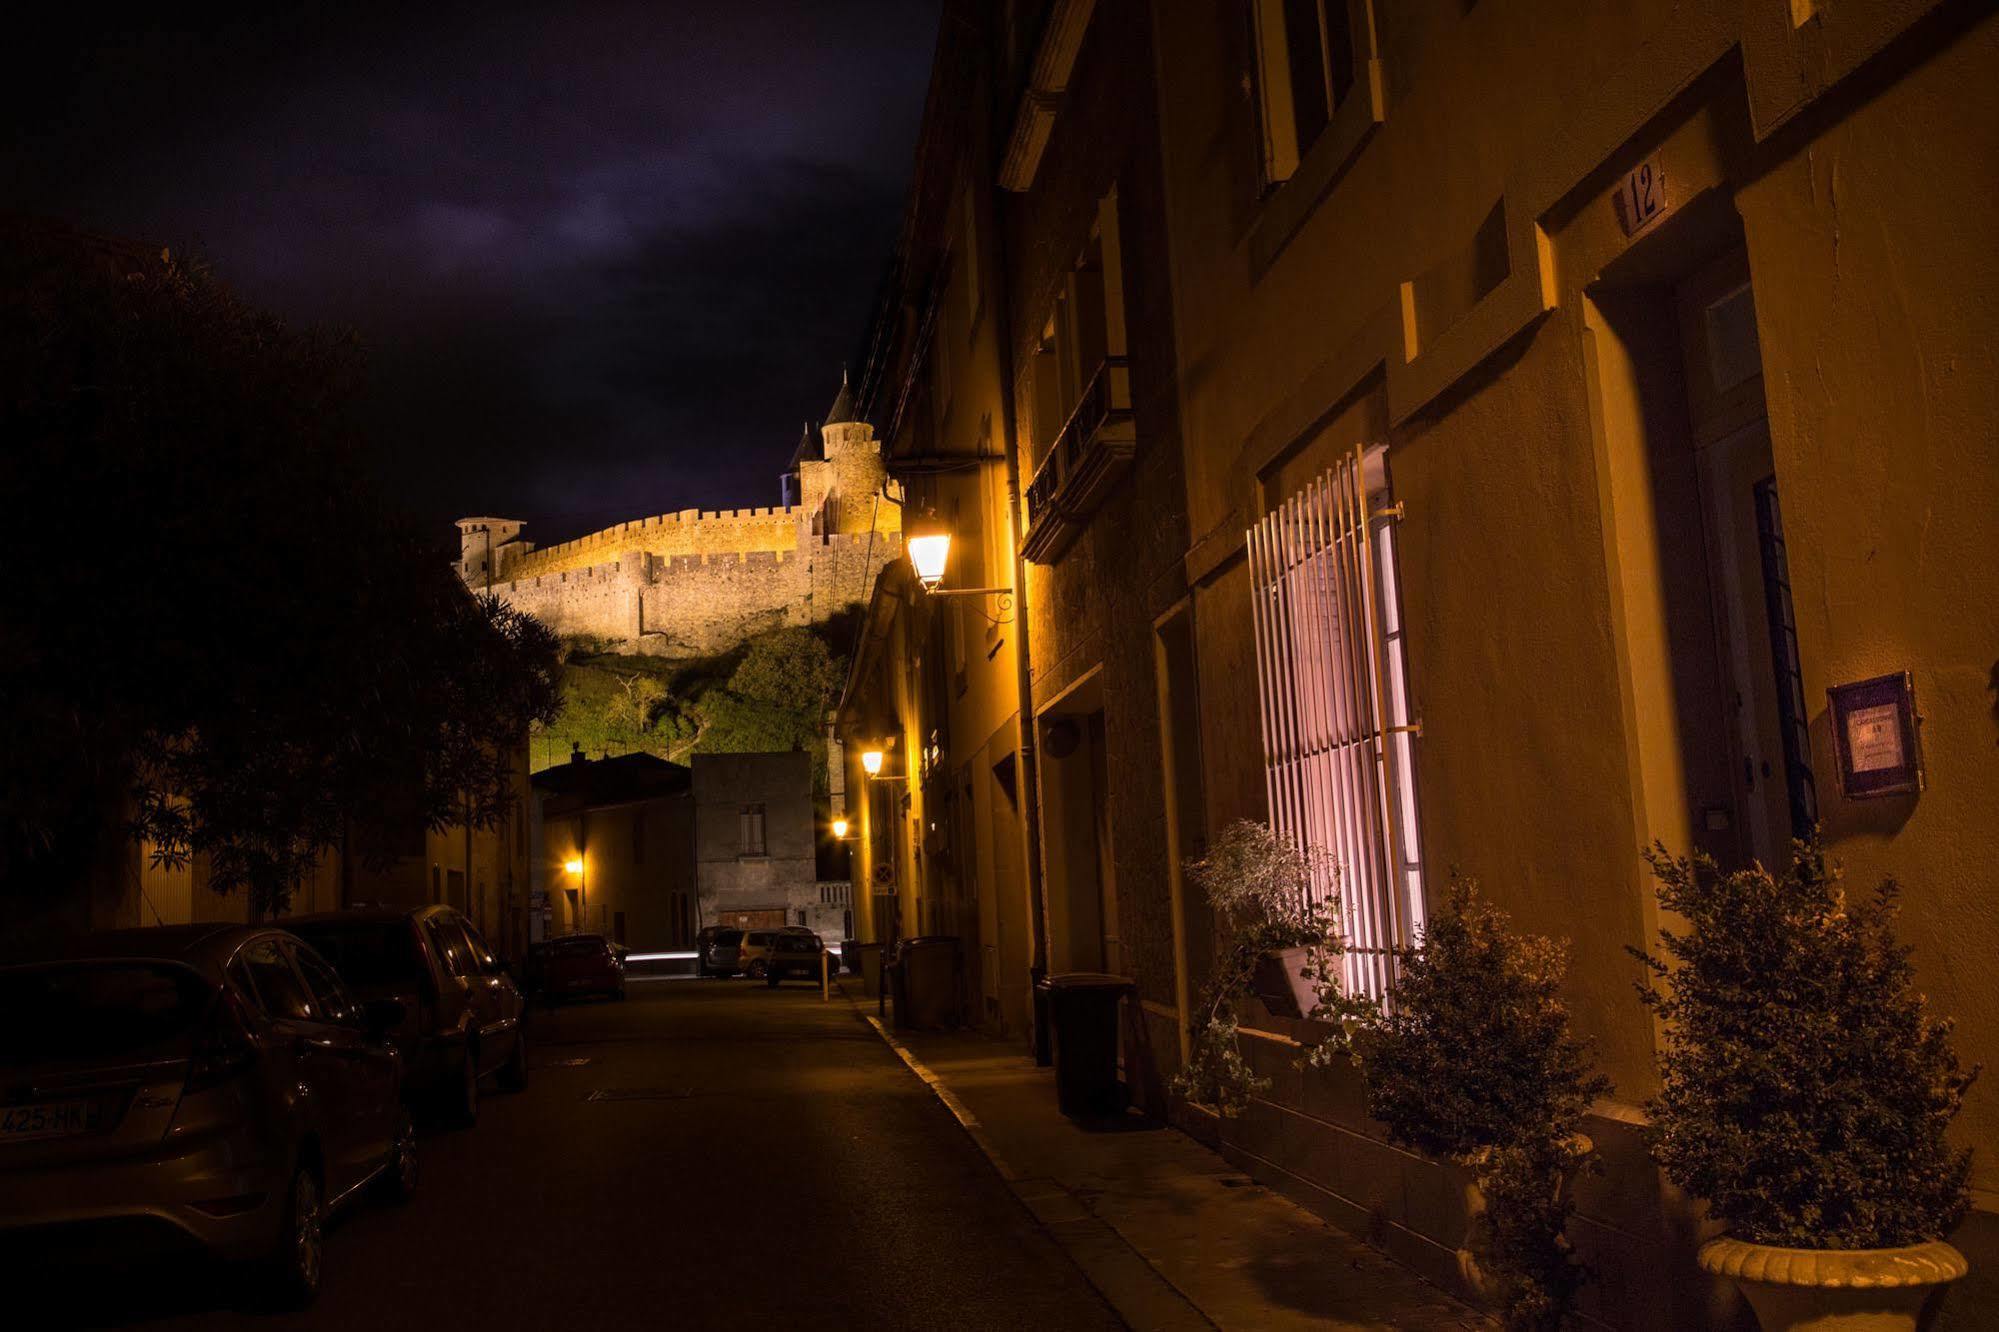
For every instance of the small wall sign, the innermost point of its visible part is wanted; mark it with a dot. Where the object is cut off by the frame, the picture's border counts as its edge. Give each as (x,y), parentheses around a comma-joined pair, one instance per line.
(1874,737)
(1641,196)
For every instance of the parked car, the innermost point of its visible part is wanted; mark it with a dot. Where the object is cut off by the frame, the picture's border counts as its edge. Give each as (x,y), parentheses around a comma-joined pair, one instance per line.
(193,1087)
(465,1019)
(794,953)
(576,964)
(753,954)
(718,951)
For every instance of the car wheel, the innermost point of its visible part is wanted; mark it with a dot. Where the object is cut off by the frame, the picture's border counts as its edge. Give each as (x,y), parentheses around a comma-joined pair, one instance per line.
(295,1264)
(465,1089)
(757,970)
(514,1073)
(398,1177)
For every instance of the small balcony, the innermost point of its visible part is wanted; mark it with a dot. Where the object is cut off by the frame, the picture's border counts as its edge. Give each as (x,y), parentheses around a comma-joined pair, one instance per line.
(1089,456)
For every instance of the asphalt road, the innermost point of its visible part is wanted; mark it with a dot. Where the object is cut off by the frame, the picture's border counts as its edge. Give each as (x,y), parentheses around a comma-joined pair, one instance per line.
(755,1158)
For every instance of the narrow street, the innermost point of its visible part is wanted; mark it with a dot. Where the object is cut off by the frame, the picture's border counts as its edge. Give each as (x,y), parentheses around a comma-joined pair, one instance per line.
(753,1158)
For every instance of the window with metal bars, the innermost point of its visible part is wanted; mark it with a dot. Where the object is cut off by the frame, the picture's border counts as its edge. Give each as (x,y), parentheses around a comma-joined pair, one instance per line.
(1332,673)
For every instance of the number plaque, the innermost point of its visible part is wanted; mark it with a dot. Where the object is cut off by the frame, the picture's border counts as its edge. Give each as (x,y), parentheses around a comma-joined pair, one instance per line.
(1641,197)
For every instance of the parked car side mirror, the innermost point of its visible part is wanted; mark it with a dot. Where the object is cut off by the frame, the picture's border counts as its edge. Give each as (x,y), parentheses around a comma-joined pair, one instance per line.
(379,1017)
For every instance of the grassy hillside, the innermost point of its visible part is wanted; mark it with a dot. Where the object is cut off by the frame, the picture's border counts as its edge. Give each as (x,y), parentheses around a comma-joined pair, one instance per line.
(769,693)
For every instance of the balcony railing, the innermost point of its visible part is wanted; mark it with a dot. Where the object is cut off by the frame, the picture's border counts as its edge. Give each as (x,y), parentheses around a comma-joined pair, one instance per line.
(1088,457)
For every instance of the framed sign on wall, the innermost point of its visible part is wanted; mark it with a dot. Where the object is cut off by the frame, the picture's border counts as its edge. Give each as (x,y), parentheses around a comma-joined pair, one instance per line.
(1874,737)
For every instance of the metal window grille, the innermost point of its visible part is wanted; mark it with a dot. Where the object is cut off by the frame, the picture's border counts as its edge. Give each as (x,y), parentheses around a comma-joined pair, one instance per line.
(1338,740)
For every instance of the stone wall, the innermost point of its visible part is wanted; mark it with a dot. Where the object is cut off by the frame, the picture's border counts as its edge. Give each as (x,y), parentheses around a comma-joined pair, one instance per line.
(688,532)
(694,605)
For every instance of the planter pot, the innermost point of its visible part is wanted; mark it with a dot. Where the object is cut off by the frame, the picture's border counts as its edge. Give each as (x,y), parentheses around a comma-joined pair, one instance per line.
(1851,1290)
(1472,1249)
(1283,990)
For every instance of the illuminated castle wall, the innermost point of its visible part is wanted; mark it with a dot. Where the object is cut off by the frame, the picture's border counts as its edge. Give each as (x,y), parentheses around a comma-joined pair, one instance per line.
(698,582)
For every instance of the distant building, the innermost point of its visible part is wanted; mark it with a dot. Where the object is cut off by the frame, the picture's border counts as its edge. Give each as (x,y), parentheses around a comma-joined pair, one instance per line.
(616,851)
(756,844)
(694,582)
(647,852)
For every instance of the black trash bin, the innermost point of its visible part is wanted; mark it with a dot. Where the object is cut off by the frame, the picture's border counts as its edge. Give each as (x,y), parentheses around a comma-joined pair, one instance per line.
(1083,1022)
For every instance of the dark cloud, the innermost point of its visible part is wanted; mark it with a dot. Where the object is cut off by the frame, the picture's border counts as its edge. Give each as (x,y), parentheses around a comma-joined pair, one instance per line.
(606,257)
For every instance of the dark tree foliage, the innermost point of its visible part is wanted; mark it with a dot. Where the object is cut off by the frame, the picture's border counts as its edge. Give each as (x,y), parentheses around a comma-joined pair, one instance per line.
(1475,1062)
(1806,1089)
(213,635)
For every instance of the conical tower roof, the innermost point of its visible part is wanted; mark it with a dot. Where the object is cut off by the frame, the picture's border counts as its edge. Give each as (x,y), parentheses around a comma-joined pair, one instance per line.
(842,410)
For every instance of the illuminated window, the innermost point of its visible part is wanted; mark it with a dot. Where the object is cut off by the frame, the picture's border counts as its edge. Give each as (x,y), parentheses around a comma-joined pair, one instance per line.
(1304,71)
(1332,671)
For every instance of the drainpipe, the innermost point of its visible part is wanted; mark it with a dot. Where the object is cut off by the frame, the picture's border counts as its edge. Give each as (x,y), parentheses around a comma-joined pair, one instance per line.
(1030,779)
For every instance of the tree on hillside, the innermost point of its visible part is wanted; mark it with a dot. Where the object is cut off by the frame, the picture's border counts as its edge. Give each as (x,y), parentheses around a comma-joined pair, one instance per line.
(776,700)
(215,637)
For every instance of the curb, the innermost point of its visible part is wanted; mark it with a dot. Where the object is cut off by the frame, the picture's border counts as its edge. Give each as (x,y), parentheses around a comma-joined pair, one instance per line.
(1136,1291)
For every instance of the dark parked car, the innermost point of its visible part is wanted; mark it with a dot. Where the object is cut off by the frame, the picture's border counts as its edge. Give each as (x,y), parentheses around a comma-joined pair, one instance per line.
(794,953)
(718,951)
(192,1087)
(464,1015)
(576,964)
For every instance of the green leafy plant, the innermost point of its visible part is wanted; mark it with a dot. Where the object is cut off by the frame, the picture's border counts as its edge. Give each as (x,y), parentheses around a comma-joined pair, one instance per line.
(1475,1062)
(1806,1089)
(1262,889)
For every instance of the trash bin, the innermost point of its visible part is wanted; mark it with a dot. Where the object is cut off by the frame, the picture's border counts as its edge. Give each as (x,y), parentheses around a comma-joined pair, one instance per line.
(867,960)
(1044,1054)
(926,983)
(1083,1023)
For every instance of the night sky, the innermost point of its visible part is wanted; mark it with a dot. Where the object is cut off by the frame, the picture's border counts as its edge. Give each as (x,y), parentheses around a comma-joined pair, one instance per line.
(606,258)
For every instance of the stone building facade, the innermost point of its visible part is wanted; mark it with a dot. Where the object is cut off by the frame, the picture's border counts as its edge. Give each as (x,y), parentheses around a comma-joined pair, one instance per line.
(697,582)
(1640,360)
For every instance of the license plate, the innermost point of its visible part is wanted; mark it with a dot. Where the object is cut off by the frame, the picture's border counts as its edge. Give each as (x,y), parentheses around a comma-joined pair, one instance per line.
(48,1119)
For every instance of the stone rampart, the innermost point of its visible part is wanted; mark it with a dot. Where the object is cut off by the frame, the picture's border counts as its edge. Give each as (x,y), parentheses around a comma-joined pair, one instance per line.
(688,532)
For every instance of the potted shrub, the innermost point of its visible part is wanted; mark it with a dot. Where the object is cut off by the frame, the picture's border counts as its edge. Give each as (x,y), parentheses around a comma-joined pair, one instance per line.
(1474,1063)
(1273,937)
(1805,1092)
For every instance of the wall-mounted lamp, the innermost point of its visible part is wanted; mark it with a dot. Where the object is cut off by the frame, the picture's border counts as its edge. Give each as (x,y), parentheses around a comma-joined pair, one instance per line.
(871,762)
(839,828)
(928,541)
(574,866)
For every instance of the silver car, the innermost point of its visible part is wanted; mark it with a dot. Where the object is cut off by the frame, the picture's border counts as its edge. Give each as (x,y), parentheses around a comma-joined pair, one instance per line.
(207,1087)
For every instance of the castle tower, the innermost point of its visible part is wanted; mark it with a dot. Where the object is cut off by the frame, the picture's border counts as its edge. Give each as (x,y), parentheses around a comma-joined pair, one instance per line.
(838,488)
(484,545)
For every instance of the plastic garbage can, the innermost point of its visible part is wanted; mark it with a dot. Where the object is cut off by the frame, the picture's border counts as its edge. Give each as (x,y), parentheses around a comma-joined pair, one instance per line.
(1083,1024)
(867,960)
(927,969)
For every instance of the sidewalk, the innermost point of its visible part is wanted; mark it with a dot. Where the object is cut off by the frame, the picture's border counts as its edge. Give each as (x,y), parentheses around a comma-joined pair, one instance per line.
(1174,1236)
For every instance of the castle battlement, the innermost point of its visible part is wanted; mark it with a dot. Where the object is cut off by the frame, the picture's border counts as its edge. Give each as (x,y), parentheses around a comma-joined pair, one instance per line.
(700,580)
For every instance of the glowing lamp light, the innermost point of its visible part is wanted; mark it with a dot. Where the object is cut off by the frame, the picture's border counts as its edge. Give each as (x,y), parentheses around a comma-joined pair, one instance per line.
(574,866)
(871,761)
(839,827)
(929,545)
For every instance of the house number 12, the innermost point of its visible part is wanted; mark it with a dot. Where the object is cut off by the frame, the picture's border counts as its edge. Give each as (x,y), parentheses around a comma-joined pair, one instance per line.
(1641,199)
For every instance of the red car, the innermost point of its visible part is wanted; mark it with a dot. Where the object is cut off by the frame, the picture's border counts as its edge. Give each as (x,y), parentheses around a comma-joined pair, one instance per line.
(576,964)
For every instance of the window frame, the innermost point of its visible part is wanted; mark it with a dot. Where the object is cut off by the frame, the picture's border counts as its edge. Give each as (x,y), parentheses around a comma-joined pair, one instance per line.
(1335,703)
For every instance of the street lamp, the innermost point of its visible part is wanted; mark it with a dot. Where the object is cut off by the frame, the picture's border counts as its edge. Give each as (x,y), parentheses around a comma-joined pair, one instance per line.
(928,541)
(839,829)
(871,762)
(574,867)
